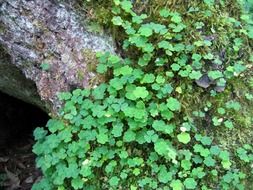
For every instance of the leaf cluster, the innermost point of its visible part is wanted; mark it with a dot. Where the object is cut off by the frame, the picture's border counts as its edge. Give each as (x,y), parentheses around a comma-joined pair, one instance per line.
(135,131)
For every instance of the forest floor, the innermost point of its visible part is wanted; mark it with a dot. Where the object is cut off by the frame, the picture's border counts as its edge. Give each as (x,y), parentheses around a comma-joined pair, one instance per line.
(17,166)
(17,161)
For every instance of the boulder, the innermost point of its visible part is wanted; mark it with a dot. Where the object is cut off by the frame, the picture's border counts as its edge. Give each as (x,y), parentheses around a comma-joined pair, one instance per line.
(49,51)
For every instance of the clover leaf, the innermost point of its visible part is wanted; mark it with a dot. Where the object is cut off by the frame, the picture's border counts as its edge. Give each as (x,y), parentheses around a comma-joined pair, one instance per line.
(114,181)
(102,138)
(140,92)
(190,183)
(176,18)
(148,78)
(126,5)
(173,104)
(129,136)
(161,147)
(229,124)
(45,66)
(145,31)
(184,138)
(164,176)
(164,13)
(176,185)
(117,20)
(195,75)
(209,161)
(165,45)
(206,140)
(116,83)
(77,183)
(215,74)
(117,130)
(39,133)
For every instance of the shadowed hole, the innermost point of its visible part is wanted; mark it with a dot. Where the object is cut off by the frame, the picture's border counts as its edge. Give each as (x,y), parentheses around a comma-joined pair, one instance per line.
(17,123)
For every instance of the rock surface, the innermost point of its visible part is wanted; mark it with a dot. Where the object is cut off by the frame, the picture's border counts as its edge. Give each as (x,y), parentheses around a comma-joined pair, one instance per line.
(47,43)
(13,82)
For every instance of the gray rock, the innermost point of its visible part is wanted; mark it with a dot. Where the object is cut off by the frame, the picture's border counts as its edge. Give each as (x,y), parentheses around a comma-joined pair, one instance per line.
(204,81)
(219,88)
(37,32)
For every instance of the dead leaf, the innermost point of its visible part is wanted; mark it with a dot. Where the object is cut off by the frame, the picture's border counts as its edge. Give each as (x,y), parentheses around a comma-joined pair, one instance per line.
(20,164)
(14,181)
(4,159)
(29,179)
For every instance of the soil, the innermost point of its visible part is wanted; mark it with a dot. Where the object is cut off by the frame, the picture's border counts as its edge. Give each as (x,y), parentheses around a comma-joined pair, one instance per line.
(17,162)
(17,166)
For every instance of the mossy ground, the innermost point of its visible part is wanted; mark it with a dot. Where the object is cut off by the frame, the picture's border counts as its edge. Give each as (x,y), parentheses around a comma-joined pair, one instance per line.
(192,99)
(161,90)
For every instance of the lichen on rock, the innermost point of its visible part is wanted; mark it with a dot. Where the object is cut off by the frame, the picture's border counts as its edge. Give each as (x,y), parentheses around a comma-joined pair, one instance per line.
(49,32)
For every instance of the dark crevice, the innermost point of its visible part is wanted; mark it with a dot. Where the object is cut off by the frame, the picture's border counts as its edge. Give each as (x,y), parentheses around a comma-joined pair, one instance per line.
(18,119)
(17,123)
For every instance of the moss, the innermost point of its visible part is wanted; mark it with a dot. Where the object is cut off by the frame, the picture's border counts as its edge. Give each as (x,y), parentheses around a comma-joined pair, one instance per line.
(91,62)
(192,97)
(224,35)
(90,59)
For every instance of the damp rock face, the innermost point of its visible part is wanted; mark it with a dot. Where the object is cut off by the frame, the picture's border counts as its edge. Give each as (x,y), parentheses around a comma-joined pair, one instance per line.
(12,81)
(49,46)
